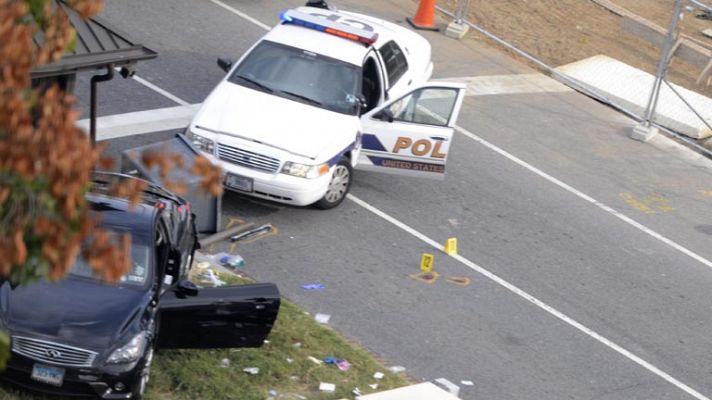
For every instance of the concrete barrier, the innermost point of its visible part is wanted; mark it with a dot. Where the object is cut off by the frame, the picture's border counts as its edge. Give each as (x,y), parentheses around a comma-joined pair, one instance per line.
(423,391)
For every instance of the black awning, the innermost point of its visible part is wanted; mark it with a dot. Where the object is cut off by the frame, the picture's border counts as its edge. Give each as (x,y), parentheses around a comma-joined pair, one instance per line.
(98,44)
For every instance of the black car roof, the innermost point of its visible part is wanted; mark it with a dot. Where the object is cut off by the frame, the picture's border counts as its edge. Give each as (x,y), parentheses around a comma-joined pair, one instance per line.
(153,193)
(119,214)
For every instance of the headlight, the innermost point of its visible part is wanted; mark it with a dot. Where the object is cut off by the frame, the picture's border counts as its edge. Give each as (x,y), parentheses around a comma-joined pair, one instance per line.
(130,352)
(305,171)
(201,142)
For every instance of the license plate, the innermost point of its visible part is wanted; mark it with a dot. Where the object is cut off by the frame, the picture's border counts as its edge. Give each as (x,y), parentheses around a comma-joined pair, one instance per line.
(50,375)
(238,182)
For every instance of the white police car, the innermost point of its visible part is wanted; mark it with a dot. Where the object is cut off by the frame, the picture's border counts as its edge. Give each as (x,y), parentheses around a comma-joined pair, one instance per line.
(322,93)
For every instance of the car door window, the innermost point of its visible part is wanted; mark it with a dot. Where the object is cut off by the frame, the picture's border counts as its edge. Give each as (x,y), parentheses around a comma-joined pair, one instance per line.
(431,106)
(396,63)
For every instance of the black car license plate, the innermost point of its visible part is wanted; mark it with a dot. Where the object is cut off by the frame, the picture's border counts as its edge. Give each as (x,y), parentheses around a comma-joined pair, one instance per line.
(241,183)
(50,375)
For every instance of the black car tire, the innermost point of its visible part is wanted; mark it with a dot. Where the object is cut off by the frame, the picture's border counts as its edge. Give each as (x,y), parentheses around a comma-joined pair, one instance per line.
(338,186)
(138,390)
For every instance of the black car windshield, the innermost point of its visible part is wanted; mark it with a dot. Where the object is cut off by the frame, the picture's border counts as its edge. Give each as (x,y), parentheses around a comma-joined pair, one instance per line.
(137,276)
(300,75)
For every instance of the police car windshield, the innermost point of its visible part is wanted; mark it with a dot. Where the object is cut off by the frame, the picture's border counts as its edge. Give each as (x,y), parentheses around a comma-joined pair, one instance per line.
(300,75)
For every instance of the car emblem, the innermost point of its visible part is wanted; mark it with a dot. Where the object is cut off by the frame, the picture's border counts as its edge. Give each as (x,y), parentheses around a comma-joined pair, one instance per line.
(51,353)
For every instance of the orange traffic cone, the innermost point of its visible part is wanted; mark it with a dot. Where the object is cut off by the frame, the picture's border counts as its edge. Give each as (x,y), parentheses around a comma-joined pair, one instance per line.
(425,17)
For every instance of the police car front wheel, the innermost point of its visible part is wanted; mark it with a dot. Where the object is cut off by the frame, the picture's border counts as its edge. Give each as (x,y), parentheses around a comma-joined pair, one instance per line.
(338,187)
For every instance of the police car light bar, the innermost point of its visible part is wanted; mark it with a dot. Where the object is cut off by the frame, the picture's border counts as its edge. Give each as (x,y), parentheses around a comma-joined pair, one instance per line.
(333,28)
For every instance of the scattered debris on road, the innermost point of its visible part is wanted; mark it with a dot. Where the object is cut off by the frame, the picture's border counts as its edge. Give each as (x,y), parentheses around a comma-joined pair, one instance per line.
(322,318)
(313,286)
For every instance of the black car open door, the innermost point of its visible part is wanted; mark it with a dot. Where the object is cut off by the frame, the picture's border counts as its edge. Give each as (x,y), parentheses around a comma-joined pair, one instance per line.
(221,317)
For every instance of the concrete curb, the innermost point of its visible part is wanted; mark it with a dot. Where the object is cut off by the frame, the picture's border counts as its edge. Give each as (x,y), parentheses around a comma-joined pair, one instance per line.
(422,391)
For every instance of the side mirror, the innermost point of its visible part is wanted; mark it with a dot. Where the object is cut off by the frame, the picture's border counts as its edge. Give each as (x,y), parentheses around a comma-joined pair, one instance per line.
(187,288)
(362,100)
(361,104)
(385,115)
(225,64)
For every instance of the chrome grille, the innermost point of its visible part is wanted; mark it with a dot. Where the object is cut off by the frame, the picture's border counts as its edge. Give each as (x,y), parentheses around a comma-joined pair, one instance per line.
(248,159)
(52,353)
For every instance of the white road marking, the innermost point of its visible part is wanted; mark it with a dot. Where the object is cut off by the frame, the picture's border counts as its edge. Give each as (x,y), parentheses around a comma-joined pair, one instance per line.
(487,85)
(141,122)
(160,91)
(587,198)
(242,15)
(528,297)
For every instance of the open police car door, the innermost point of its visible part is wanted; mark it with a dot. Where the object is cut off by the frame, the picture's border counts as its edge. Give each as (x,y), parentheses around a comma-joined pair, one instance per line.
(411,135)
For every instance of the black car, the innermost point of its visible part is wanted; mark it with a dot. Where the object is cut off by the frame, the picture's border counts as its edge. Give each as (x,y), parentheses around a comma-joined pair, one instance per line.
(84,337)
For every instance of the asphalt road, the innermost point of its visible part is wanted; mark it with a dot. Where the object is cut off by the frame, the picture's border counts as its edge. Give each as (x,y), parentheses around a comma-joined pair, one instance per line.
(619,310)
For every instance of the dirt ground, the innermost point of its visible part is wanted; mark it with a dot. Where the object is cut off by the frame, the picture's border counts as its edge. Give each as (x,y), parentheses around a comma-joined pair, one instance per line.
(660,12)
(563,31)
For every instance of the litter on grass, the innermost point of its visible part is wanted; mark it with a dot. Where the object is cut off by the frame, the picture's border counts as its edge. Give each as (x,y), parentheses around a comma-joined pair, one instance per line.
(343,365)
(210,276)
(252,370)
(322,318)
(378,375)
(373,386)
(315,360)
(225,363)
(327,387)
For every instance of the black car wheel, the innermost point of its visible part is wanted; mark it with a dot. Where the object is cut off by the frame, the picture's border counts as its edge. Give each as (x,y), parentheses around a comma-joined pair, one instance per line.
(338,187)
(139,387)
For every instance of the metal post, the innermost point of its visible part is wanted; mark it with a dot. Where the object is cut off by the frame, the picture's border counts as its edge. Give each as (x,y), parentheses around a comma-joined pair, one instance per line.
(457,28)
(645,130)
(462,7)
(92,100)
(664,63)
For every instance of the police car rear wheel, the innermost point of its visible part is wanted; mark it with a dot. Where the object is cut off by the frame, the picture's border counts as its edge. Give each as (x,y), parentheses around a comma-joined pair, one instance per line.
(338,187)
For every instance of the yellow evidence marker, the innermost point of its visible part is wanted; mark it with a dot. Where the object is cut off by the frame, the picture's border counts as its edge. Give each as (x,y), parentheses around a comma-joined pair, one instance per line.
(426,262)
(451,247)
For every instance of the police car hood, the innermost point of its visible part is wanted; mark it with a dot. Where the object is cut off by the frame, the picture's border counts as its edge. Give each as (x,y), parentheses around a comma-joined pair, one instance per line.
(295,127)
